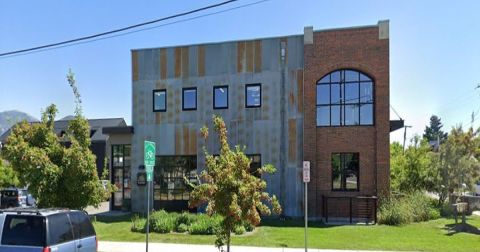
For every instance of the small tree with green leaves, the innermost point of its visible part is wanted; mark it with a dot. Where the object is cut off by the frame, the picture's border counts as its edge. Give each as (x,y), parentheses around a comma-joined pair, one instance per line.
(57,175)
(8,177)
(228,189)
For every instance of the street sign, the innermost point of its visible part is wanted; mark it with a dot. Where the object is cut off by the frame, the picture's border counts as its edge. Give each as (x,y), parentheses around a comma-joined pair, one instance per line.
(149,162)
(149,155)
(306,171)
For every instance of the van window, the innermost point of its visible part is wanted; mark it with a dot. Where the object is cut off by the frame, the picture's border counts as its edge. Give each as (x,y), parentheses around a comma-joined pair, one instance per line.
(59,229)
(24,230)
(82,227)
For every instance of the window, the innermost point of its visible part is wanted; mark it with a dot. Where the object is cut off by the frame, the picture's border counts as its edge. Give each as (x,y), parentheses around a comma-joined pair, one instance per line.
(253,95)
(24,230)
(220,97)
(255,164)
(345,98)
(59,229)
(82,227)
(169,177)
(121,174)
(345,171)
(189,101)
(159,100)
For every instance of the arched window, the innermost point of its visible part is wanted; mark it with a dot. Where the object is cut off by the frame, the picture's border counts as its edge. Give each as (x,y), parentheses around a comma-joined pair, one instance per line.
(345,98)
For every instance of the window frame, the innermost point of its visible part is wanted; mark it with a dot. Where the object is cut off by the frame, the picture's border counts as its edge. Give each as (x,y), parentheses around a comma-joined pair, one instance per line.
(183,98)
(246,97)
(160,177)
(342,172)
(153,100)
(214,99)
(342,83)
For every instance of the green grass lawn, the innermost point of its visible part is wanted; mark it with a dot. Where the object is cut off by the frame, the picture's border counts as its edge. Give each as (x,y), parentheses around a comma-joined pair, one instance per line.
(433,235)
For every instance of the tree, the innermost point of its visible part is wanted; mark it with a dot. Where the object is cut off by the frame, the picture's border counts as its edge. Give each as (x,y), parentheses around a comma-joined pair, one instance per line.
(433,132)
(456,164)
(8,177)
(229,189)
(57,175)
(410,169)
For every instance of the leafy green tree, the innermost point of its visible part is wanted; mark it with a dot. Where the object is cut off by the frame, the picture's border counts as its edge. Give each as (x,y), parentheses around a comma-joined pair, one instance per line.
(410,170)
(57,176)
(433,132)
(457,163)
(8,177)
(229,189)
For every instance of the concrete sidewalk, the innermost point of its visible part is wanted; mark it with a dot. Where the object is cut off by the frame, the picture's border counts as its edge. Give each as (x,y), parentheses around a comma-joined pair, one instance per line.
(106,246)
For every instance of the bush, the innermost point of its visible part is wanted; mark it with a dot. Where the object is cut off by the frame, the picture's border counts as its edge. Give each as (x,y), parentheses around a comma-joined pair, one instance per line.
(138,224)
(249,227)
(393,212)
(182,228)
(239,230)
(413,207)
(162,222)
(205,225)
(186,218)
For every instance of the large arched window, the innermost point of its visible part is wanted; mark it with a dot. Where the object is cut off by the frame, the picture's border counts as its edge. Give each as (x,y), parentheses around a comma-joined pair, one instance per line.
(345,98)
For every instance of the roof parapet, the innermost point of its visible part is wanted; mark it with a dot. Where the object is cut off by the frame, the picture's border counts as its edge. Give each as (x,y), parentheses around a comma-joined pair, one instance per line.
(383,29)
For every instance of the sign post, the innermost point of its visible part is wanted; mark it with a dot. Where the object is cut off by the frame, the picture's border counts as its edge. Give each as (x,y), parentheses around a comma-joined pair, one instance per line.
(306,179)
(149,162)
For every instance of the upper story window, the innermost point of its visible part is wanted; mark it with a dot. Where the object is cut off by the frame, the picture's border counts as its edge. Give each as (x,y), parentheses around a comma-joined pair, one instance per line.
(189,98)
(220,97)
(345,98)
(253,95)
(160,100)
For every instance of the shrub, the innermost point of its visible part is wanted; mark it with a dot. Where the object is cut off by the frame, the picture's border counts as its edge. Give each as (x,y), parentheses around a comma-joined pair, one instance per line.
(182,228)
(393,212)
(249,227)
(421,206)
(138,224)
(162,222)
(205,225)
(239,230)
(186,218)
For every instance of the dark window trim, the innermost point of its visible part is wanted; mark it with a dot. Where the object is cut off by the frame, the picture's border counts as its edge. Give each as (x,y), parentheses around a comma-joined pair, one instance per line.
(153,100)
(358,174)
(342,103)
(158,176)
(253,85)
(183,98)
(217,87)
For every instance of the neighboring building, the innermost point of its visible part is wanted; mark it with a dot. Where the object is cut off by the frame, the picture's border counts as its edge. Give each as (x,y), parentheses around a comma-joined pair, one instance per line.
(322,96)
(98,139)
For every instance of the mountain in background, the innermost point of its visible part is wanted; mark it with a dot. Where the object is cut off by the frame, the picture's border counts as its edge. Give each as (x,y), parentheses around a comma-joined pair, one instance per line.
(9,118)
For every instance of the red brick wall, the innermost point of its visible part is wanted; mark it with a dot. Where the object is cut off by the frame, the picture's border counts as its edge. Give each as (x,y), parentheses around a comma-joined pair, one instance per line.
(360,49)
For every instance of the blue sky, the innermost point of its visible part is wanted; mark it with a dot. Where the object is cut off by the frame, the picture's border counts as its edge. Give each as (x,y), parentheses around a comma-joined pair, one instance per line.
(434,49)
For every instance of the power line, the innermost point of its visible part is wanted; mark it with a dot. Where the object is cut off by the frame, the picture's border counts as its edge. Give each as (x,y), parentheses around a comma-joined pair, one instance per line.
(395,112)
(117,30)
(138,30)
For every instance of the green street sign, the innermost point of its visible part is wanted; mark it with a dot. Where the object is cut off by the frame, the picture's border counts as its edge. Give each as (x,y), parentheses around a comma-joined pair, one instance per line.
(149,154)
(149,176)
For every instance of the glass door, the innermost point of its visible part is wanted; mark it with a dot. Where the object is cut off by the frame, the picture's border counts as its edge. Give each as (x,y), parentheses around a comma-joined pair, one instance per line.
(118,194)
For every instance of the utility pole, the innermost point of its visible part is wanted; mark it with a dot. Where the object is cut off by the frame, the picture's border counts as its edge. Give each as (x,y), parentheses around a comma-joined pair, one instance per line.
(405,136)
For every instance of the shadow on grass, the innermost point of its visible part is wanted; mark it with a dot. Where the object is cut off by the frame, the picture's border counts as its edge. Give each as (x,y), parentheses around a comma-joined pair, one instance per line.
(461,228)
(112,218)
(293,223)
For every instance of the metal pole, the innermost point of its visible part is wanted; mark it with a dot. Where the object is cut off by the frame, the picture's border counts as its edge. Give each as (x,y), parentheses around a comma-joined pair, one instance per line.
(148,213)
(306,216)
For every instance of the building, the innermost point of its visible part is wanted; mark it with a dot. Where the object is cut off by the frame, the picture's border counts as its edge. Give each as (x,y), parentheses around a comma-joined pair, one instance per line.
(321,96)
(97,138)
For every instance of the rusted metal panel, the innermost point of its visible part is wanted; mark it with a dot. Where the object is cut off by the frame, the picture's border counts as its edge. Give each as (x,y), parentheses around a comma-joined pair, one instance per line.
(292,140)
(201,61)
(249,56)
(134,65)
(185,62)
(300,90)
(163,63)
(186,139)
(178,62)
(240,56)
(158,117)
(258,56)
(193,142)
(178,140)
